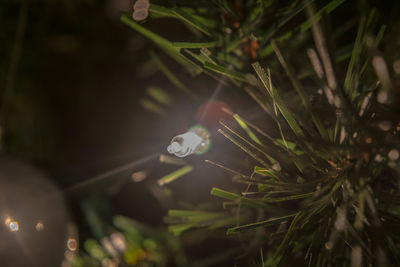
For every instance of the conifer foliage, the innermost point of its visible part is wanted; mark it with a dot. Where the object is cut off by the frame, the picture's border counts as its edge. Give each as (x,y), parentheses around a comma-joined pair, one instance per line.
(324,190)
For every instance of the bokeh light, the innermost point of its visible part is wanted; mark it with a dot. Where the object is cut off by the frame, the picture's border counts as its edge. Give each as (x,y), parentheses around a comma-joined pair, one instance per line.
(118,241)
(72,244)
(39,226)
(14,226)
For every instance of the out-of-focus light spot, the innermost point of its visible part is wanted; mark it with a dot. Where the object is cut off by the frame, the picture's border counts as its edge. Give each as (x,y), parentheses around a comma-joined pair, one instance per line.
(108,263)
(141,4)
(393,154)
(313,57)
(318,187)
(356,256)
(337,101)
(329,245)
(381,70)
(139,176)
(139,15)
(364,103)
(72,244)
(385,125)
(378,158)
(382,97)
(207,52)
(118,241)
(340,222)
(368,140)
(276,166)
(13,226)
(8,220)
(39,226)
(392,164)
(342,135)
(141,10)
(106,243)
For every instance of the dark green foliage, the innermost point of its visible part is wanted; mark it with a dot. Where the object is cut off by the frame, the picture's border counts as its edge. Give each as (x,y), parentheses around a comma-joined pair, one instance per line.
(327,192)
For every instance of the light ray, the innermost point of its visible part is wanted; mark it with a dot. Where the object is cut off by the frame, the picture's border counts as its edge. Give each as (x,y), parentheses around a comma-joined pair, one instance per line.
(111,173)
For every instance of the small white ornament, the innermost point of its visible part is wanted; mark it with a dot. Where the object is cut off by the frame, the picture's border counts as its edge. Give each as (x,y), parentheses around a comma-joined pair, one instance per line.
(194,141)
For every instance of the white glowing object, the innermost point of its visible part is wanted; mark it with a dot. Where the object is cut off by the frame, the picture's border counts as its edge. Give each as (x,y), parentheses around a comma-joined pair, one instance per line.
(14,226)
(194,141)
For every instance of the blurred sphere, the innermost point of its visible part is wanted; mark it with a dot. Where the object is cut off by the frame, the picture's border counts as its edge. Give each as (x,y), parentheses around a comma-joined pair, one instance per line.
(141,4)
(211,112)
(33,217)
(140,15)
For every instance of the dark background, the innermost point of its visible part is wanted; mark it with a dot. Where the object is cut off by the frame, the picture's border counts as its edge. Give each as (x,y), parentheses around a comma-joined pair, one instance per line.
(73,110)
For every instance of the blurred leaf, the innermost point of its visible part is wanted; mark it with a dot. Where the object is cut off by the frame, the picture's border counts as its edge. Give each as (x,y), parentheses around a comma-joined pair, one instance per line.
(153,107)
(94,249)
(174,175)
(172,160)
(160,95)
(170,75)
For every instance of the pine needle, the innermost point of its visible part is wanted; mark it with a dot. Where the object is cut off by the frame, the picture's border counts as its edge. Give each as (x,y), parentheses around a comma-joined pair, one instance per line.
(244,126)
(174,175)
(252,226)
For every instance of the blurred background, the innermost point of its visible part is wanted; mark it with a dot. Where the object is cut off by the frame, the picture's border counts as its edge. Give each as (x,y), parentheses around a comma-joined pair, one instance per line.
(76,102)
